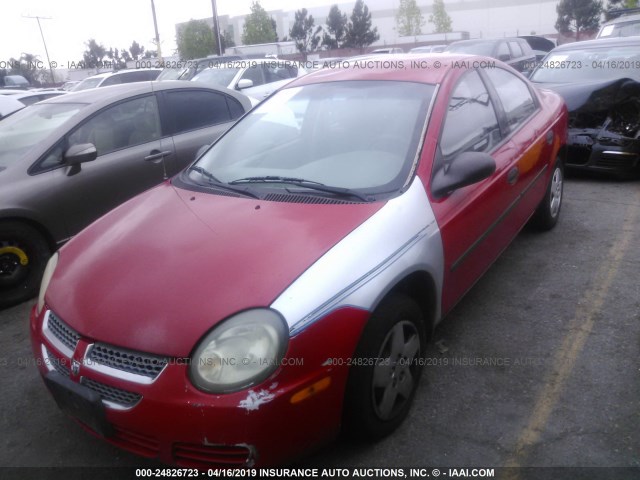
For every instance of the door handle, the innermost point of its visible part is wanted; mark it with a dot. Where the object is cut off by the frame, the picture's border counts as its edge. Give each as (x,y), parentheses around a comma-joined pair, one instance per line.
(156,155)
(512,176)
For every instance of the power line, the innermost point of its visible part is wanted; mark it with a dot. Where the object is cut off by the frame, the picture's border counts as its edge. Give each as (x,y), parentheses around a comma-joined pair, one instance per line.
(53,78)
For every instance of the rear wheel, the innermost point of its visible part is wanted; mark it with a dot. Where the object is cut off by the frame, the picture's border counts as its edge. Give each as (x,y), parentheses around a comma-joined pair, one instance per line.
(548,212)
(386,369)
(23,257)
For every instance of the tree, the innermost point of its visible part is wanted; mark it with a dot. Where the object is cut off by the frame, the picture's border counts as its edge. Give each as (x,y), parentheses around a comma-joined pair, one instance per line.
(359,32)
(227,39)
(118,60)
(136,51)
(195,40)
(409,19)
(258,26)
(577,17)
(440,19)
(617,6)
(304,34)
(94,55)
(336,28)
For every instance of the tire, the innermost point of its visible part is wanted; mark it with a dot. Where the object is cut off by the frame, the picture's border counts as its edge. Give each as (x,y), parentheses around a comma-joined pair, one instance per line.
(547,214)
(385,371)
(23,257)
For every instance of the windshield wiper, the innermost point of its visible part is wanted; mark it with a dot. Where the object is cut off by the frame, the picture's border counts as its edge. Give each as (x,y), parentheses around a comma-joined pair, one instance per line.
(301,182)
(217,183)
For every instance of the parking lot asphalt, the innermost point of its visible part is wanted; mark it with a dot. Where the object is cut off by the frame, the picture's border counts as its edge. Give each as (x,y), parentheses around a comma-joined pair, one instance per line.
(537,366)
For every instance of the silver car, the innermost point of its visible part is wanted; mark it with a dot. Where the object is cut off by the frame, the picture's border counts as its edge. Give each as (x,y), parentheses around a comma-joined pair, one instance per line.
(68,160)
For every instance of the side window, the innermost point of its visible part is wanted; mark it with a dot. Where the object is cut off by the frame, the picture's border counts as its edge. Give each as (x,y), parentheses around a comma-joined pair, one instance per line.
(53,158)
(471,124)
(192,109)
(255,74)
(113,80)
(235,108)
(503,52)
(514,95)
(124,125)
(516,49)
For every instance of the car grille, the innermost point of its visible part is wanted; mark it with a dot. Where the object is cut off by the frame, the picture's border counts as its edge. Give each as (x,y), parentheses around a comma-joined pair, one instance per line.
(211,456)
(111,394)
(63,332)
(617,161)
(58,364)
(135,442)
(136,363)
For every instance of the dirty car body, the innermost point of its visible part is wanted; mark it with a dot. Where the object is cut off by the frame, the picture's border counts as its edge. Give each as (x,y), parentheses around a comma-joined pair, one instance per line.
(296,270)
(600,82)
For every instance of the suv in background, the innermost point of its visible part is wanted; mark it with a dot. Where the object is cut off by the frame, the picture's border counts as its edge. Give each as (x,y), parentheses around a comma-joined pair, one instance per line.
(626,25)
(14,81)
(513,51)
(116,78)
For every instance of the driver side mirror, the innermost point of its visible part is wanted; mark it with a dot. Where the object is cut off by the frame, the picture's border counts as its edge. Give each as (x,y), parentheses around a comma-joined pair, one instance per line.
(464,170)
(78,154)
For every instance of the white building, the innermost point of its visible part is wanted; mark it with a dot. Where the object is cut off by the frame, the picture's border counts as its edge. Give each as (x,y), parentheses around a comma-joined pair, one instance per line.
(481,18)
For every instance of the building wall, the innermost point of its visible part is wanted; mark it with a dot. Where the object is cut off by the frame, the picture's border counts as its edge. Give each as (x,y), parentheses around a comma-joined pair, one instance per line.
(481,18)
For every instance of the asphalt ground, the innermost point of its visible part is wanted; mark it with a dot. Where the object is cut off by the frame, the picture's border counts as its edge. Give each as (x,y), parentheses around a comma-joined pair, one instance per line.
(538,366)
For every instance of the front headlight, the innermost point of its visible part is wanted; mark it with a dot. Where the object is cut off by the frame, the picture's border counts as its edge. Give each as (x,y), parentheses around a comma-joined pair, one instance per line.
(242,351)
(46,278)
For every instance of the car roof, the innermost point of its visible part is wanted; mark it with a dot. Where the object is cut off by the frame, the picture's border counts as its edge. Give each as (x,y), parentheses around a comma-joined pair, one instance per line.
(600,42)
(623,19)
(407,67)
(121,72)
(478,41)
(114,93)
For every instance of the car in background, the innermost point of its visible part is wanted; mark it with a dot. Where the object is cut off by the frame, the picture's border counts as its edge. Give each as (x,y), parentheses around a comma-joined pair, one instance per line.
(386,50)
(258,78)
(600,82)
(68,160)
(626,25)
(513,51)
(15,81)
(68,85)
(429,49)
(187,69)
(115,78)
(8,105)
(33,96)
(540,45)
(296,270)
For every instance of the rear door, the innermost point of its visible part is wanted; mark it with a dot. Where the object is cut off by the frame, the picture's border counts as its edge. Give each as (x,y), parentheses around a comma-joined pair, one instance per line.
(196,117)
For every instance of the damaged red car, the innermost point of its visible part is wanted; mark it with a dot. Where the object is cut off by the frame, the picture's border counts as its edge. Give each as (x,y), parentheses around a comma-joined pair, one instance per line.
(283,287)
(600,83)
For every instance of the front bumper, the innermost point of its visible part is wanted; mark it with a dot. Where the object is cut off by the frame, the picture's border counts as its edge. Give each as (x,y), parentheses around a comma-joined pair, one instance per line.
(600,151)
(298,408)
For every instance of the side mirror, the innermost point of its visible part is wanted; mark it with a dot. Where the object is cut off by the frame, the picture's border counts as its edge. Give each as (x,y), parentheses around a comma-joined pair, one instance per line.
(464,170)
(81,153)
(244,83)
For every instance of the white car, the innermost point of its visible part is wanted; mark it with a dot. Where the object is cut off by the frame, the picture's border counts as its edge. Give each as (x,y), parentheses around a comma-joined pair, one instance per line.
(256,78)
(116,78)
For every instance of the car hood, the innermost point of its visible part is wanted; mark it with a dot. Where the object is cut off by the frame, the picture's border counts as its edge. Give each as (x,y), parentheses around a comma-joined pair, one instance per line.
(158,272)
(594,96)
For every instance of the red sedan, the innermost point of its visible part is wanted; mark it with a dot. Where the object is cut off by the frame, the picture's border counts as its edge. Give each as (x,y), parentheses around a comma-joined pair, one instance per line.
(282,288)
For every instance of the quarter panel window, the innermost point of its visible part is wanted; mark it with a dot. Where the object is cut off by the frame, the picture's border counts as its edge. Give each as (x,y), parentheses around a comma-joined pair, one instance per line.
(514,95)
(503,51)
(193,109)
(516,49)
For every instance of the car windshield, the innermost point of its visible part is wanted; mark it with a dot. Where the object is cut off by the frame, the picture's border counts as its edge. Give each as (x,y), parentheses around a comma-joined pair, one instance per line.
(621,29)
(24,129)
(222,76)
(356,135)
(484,48)
(171,74)
(87,83)
(589,64)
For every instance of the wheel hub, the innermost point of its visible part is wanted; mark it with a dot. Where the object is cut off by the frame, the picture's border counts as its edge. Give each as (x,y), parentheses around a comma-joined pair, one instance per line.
(12,262)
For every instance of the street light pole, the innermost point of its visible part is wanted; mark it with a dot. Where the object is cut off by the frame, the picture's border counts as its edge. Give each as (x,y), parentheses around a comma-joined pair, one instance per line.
(155,25)
(53,78)
(216,26)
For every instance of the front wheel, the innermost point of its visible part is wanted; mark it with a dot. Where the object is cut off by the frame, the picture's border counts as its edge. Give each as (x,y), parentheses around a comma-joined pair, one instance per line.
(386,369)
(23,257)
(547,214)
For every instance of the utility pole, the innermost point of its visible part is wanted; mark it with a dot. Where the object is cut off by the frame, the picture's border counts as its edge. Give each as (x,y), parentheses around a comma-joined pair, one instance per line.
(155,25)
(53,78)
(216,26)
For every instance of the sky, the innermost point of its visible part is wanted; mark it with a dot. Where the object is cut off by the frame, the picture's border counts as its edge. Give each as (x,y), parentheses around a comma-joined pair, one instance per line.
(112,23)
